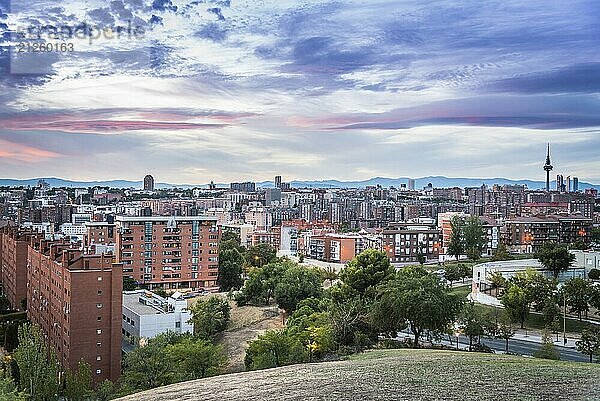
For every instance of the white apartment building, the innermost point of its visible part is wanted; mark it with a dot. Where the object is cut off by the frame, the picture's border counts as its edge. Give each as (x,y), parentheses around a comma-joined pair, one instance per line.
(145,315)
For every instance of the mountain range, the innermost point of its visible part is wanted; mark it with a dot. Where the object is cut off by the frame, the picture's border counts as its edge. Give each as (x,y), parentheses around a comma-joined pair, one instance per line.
(436,181)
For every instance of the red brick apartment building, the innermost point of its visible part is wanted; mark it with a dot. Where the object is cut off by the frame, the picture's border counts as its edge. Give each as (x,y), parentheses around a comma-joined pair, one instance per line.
(76,300)
(14,243)
(169,252)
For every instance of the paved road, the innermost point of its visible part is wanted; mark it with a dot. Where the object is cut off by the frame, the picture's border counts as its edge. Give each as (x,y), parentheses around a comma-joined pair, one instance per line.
(522,347)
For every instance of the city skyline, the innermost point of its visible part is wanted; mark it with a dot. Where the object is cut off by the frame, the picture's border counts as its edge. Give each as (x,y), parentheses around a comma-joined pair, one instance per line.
(318,90)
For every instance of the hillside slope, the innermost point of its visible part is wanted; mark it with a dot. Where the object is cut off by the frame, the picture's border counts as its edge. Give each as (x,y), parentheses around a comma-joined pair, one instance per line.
(399,375)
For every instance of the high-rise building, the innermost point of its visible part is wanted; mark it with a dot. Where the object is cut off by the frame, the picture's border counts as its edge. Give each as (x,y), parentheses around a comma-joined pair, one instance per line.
(243,186)
(547,168)
(76,300)
(568,183)
(411,184)
(14,244)
(575,184)
(277,181)
(560,183)
(148,183)
(169,252)
(272,195)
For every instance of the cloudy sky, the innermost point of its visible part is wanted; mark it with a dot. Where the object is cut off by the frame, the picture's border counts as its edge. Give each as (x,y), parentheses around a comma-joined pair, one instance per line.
(235,90)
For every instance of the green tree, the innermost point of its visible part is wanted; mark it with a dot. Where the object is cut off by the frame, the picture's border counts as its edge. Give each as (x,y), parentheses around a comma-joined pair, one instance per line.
(538,288)
(418,298)
(589,343)
(231,262)
(161,292)
(78,383)
(262,281)
(595,298)
(504,330)
(547,349)
(37,363)
(465,271)
(550,312)
(329,273)
(231,240)
(297,284)
(274,348)
(8,390)
(456,245)
(105,391)
(474,237)
(555,258)
(150,365)
(501,253)
(473,322)
(452,273)
(367,270)
(516,303)
(210,316)
(197,358)
(129,284)
(4,303)
(349,318)
(579,294)
(421,258)
(311,324)
(497,280)
(260,255)
(595,235)
(579,244)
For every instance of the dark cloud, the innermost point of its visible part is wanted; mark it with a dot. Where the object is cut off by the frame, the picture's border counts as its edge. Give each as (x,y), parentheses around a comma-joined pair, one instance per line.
(163,5)
(579,78)
(540,112)
(102,15)
(217,11)
(322,55)
(212,31)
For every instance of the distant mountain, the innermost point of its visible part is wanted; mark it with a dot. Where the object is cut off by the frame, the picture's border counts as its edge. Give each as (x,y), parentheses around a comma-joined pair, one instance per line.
(436,181)
(59,182)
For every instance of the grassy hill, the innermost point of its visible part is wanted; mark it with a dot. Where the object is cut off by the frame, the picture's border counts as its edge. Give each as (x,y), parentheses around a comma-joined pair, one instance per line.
(399,375)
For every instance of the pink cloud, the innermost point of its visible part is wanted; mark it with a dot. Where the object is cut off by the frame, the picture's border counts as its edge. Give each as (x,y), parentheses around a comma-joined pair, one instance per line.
(24,153)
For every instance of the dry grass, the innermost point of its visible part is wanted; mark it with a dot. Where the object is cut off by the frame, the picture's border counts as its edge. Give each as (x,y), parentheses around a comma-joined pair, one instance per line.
(247,323)
(399,375)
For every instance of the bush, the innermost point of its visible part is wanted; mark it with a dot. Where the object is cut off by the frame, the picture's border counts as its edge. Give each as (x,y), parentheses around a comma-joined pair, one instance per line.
(594,274)
(389,343)
(481,348)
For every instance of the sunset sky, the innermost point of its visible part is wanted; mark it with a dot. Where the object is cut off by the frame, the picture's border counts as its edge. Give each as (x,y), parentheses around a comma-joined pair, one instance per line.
(243,90)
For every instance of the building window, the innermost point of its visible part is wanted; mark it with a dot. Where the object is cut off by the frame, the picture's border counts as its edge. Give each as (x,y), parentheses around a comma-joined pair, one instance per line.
(99,278)
(99,331)
(98,371)
(99,292)
(99,306)
(99,318)
(98,358)
(177,325)
(98,344)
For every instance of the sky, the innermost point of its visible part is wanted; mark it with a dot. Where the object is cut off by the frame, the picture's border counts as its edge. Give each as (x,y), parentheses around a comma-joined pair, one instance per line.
(231,90)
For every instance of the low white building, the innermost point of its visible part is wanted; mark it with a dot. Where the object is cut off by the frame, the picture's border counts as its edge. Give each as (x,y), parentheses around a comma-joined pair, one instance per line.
(587,260)
(145,315)
(508,268)
(73,231)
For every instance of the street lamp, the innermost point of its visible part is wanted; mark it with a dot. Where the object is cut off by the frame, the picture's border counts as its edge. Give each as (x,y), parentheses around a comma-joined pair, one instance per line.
(564,319)
(457,334)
